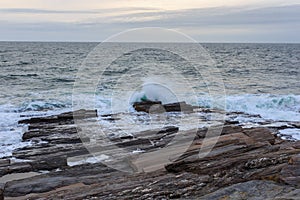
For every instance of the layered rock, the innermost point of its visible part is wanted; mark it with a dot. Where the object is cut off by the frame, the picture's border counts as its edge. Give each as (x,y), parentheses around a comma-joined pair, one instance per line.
(158,107)
(244,163)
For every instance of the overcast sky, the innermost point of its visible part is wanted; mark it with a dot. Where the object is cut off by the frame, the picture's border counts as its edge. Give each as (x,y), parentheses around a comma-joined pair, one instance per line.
(204,20)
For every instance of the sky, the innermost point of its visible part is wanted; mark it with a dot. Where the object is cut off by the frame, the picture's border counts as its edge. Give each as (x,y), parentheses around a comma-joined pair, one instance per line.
(203,20)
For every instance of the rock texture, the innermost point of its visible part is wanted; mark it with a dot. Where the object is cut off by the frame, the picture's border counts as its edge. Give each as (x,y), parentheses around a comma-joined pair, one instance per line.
(158,107)
(245,163)
(255,190)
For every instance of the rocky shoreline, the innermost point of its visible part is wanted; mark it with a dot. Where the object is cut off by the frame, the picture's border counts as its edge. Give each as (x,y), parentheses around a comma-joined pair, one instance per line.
(245,163)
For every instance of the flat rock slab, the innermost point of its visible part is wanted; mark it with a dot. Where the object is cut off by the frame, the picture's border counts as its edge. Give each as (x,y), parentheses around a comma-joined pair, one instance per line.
(17,176)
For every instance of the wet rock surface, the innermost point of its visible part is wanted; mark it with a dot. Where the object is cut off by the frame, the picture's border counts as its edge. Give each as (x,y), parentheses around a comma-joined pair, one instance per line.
(158,107)
(244,163)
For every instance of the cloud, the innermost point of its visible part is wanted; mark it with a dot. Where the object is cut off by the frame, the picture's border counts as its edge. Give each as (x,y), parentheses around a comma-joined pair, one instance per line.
(224,24)
(41,11)
(218,16)
(45,11)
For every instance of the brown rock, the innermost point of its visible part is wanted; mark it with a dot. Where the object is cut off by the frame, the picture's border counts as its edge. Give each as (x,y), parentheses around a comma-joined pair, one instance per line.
(157,107)
(234,158)
(178,107)
(1,194)
(290,174)
(145,106)
(237,157)
(296,145)
(260,134)
(64,118)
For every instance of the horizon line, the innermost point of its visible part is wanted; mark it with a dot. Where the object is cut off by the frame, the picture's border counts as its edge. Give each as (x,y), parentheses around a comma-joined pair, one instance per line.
(204,42)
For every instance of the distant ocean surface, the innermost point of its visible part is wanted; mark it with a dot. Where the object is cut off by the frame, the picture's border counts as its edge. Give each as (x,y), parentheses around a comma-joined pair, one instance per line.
(36,78)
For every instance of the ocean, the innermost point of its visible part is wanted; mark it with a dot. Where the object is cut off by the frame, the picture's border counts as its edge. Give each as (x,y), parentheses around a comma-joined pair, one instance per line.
(37,79)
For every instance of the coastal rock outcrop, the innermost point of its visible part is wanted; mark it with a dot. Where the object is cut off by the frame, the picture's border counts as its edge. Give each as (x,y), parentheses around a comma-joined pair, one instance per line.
(244,163)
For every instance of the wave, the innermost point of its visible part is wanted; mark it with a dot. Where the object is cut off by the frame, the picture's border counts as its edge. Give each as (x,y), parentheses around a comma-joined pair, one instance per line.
(11,132)
(268,106)
(41,105)
(154,92)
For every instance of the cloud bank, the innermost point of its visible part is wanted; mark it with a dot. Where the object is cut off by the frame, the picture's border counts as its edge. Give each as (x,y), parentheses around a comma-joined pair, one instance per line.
(218,24)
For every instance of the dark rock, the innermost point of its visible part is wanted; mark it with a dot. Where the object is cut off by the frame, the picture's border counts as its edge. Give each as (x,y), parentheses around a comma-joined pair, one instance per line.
(111,118)
(152,133)
(290,174)
(48,132)
(47,182)
(64,118)
(66,140)
(225,130)
(260,134)
(168,130)
(20,188)
(157,107)
(229,129)
(230,122)
(52,119)
(296,145)
(145,106)
(4,162)
(126,137)
(31,152)
(1,192)
(295,124)
(50,162)
(16,168)
(254,190)
(178,107)
(134,142)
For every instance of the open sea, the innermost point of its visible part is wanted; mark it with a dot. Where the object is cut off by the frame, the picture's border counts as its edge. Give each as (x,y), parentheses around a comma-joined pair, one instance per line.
(37,78)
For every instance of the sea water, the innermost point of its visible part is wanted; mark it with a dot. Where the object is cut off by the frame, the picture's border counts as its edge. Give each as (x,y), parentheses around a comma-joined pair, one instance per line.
(37,79)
